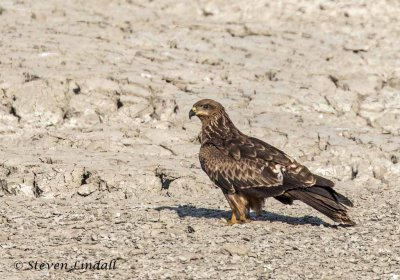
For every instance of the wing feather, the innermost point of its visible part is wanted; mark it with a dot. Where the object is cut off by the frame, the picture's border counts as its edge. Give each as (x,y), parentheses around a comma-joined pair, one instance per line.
(252,153)
(249,162)
(232,175)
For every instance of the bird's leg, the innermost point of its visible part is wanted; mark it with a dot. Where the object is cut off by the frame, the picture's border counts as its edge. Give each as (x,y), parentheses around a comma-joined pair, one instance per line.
(238,209)
(256,205)
(243,218)
(242,204)
(233,219)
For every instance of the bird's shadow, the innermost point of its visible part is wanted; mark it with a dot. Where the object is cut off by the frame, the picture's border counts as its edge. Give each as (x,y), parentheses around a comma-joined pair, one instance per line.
(200,212)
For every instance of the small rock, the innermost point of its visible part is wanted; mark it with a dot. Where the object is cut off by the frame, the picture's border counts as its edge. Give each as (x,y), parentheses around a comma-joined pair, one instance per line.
(19,189)
(190,229)
(236,259)
(87,189)
(394,82)
(182,258)
(234,249)
(4,220)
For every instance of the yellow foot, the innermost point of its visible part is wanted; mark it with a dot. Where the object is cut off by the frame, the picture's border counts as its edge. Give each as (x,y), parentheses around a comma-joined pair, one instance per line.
(232,220)
(244,221)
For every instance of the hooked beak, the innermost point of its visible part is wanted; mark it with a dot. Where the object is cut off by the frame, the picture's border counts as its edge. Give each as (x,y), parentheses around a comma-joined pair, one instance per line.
(192,112)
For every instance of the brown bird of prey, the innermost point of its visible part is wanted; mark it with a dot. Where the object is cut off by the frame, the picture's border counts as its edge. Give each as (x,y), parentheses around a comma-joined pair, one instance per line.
(249,170)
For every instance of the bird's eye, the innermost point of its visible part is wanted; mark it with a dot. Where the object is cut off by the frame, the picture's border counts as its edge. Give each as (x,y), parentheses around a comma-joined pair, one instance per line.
(205,106)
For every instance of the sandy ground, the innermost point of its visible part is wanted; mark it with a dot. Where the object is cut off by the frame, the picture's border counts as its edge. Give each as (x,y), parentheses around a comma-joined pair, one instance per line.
(99,160)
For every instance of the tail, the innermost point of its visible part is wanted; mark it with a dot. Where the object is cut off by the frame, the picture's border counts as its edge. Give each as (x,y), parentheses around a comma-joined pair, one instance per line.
(325,200)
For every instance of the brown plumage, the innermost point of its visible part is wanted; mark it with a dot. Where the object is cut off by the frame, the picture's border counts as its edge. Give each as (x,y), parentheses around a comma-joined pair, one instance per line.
(249,170)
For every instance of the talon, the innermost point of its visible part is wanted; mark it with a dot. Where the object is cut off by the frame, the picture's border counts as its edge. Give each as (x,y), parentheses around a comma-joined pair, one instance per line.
(244,220)
(232,220)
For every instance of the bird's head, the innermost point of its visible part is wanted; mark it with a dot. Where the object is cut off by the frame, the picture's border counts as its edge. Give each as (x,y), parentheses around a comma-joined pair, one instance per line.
(206,109)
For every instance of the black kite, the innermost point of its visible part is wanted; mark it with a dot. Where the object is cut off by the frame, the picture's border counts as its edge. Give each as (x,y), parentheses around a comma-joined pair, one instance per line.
(249,170)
